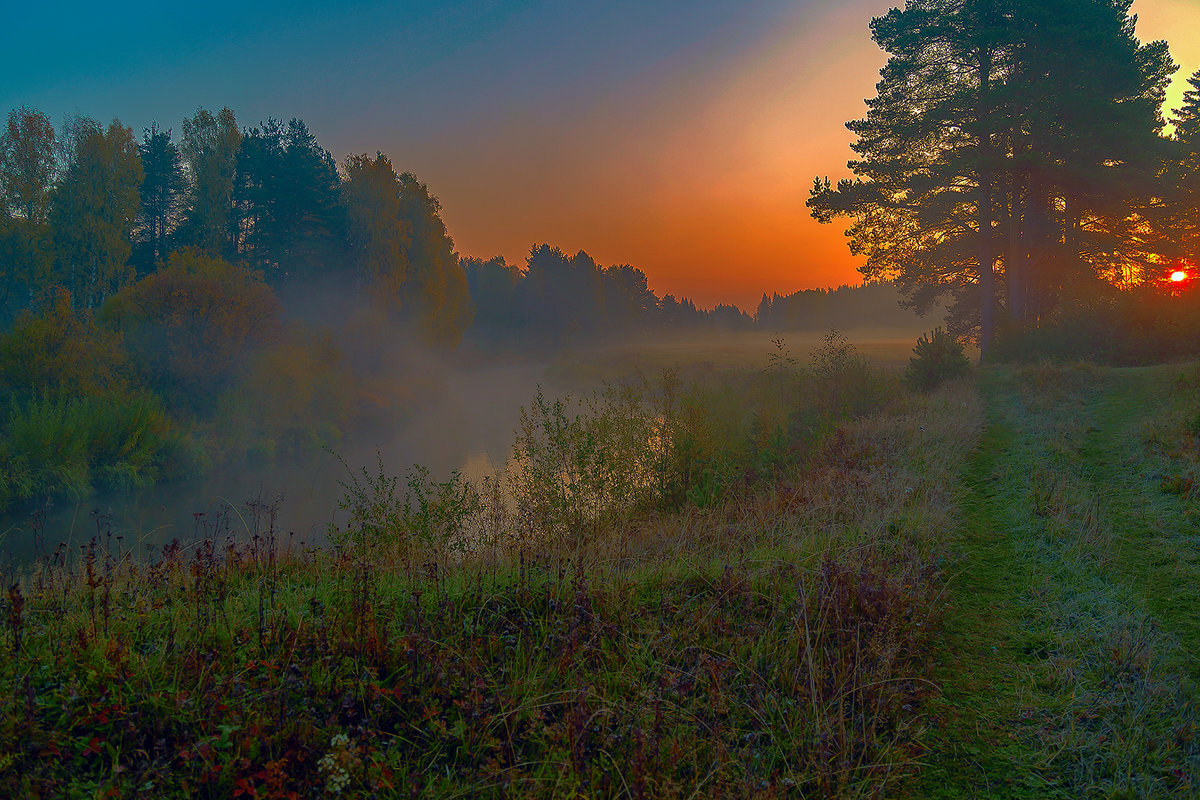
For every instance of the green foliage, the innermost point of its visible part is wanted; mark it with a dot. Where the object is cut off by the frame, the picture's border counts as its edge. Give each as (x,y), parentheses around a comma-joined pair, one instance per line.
(722,682)
(767,648)
(191,326)
(61,352)
(27,164)
(381,511)
(937,357)
(71,447)
(161,198)
(577,462)
(94,206)
(286,196)
(209,145)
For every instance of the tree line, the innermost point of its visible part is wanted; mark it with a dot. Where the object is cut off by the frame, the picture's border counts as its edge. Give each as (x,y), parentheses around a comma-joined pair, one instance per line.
(1014,162)
(92,209)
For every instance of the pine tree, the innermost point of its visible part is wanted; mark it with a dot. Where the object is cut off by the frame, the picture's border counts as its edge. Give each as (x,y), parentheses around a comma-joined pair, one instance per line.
(1180,214)
(923,201)
(287,198)
(162,197)
(1085,149)
(1014,138)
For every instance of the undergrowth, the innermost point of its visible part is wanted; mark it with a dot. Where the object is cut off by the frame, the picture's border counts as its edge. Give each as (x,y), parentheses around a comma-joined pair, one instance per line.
(608,633)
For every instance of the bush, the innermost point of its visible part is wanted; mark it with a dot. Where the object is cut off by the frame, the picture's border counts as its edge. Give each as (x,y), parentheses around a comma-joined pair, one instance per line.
(59,351)
(937,357)
(62,447)
(192,326)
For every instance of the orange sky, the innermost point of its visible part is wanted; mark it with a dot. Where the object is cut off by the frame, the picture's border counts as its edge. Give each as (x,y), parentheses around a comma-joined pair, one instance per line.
(699,174)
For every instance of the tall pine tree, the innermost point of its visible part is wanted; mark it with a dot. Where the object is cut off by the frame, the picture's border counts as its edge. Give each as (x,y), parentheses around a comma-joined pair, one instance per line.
(1012,139)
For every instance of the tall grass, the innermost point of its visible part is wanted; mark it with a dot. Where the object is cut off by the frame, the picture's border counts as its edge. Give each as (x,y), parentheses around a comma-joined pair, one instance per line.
(586,629)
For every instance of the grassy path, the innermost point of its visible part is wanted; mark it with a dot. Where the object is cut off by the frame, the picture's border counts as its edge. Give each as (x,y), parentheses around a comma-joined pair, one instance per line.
(1077,581)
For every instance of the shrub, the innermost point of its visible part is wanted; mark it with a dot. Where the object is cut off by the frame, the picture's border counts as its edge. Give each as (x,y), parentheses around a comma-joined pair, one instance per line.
(937,357)
(192,325)
(60,351)
(380,510)
(63,447)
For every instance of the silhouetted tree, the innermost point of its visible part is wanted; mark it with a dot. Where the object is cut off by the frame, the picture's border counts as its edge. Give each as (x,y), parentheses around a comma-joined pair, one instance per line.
(628,301)
(162,197)
(435,287)
(1000,118)
(1083,140)
(493,287)
(286,192)
(563,294)
(1180,216)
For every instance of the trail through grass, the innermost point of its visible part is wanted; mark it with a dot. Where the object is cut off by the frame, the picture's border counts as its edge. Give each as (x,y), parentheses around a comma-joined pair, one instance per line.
(1068,661)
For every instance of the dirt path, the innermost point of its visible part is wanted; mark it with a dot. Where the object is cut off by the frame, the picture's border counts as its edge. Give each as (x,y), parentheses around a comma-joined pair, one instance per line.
(1061,668)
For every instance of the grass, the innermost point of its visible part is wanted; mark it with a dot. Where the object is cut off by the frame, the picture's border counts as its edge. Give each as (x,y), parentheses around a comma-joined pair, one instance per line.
(769,643)
(983,591)
(1060,678)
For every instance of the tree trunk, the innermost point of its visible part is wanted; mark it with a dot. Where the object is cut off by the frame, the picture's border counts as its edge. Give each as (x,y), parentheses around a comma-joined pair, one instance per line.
(1015,260)
(986,256)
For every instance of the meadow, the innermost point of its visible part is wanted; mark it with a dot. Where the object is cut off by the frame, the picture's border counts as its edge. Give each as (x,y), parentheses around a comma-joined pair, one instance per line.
(800,578)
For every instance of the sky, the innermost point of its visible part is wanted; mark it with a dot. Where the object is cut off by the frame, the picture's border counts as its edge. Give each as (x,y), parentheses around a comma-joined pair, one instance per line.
(679,136)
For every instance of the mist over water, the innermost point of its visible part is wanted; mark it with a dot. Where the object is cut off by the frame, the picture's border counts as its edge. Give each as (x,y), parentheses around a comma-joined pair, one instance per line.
(446,412)
(464,420)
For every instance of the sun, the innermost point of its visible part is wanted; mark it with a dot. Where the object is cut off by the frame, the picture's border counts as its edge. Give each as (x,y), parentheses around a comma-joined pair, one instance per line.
(1178,276)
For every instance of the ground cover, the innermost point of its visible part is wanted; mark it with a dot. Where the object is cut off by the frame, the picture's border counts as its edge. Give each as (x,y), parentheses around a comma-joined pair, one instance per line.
(771,642)
(1066,669)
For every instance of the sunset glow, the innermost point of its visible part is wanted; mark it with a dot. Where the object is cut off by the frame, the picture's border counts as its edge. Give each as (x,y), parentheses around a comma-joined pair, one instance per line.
(1178,276)
(681,139)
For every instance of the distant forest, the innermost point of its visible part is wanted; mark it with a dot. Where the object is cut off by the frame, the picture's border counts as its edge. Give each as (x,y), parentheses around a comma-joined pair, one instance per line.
(90,213)
(172,303)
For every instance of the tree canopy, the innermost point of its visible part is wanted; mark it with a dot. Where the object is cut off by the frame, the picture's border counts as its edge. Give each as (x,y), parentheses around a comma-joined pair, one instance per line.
(1009,157)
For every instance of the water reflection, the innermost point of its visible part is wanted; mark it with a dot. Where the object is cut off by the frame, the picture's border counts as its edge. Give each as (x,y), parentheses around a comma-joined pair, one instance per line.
(468,427)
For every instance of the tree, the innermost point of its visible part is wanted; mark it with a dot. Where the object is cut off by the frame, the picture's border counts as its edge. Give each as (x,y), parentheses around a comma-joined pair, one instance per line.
(209,146)
(162,197)
(371,198)
(27,164)
(1180,215)
(93,210)
(61,352)
(287,196)
(405,258)
(923,200)
(192,325)
(628,300)
(27,169)
(1083,103)
(994,117)
(435,285)
(563,293)
(493,289)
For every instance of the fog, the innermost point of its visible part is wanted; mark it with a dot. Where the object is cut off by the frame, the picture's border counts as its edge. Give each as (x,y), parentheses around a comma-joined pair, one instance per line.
(463,419)
(444,410)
